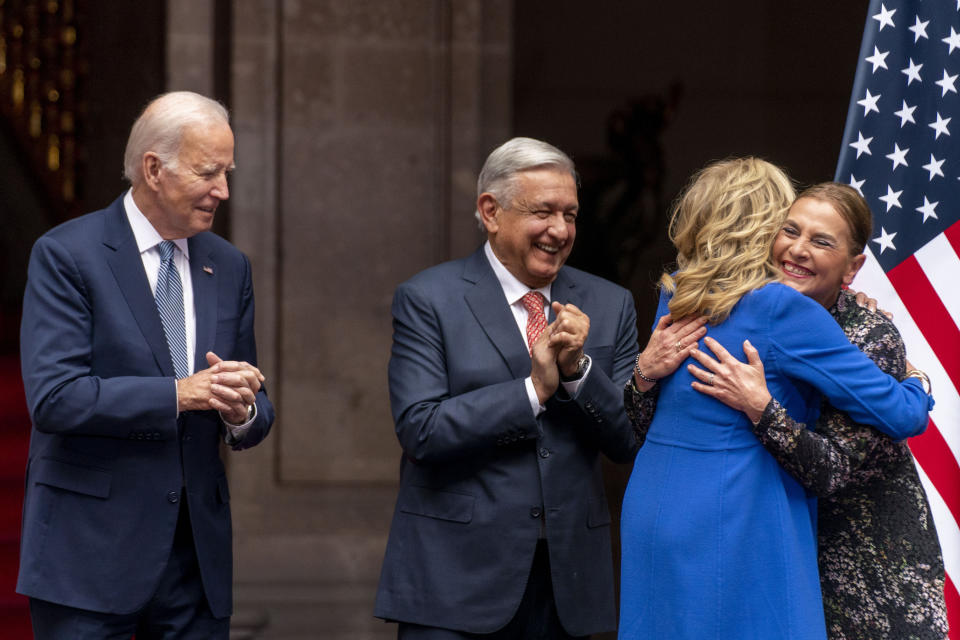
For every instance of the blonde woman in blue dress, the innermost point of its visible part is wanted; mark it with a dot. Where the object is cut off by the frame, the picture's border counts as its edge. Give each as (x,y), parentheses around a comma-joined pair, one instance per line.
(718,541)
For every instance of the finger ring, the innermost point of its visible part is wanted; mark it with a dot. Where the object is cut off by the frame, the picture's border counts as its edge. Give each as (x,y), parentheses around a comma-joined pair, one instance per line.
(679,347)
(712,376)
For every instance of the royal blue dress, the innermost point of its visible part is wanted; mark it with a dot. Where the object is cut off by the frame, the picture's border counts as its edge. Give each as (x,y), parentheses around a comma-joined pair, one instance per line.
(718,542)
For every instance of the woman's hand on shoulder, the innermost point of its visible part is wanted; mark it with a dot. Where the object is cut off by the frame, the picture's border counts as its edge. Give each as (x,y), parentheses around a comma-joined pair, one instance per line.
(669,345)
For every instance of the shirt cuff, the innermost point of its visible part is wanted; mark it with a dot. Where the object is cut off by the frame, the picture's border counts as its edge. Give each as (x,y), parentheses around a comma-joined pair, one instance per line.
(535,405)
(176,400)
(573,386)
(236,432)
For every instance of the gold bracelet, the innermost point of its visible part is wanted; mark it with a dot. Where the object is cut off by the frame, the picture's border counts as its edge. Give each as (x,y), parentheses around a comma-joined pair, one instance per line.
(923,378)
(636,368)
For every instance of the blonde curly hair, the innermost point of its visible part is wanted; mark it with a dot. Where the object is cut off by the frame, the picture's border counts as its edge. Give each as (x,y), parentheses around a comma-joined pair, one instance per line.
(723,226)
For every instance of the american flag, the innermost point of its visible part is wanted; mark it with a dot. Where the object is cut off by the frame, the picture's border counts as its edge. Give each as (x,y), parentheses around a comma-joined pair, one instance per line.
(901,150)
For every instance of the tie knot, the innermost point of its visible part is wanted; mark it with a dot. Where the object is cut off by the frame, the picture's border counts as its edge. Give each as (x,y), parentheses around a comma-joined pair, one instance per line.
(166,249)
(533,302)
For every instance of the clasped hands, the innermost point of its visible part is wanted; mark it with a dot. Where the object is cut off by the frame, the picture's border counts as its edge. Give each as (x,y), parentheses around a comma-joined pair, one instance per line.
(558,349)
(228,386)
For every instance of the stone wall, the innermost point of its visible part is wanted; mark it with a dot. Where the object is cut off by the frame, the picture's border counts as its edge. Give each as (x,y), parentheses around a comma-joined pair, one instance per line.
(361,126)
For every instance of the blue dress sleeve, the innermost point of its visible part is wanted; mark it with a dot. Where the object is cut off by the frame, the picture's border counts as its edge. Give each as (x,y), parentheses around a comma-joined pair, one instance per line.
(807,344)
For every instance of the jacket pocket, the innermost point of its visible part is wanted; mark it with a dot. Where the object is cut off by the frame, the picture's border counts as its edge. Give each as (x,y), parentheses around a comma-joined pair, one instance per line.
(443,505)
(72,477)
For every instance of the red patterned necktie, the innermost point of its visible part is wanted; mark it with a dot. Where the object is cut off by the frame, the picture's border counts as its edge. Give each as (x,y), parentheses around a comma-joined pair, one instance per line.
(533,301)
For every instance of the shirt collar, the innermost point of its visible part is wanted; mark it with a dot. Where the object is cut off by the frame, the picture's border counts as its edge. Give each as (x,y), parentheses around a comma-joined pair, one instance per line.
(143,232)
(513,289)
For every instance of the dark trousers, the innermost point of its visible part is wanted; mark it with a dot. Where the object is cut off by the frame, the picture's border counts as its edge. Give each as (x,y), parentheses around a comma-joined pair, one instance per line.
(178,609)
(536,618)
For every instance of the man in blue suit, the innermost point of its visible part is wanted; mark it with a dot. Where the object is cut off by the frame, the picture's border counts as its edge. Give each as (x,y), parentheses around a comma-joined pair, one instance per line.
(506,384)
(138,361)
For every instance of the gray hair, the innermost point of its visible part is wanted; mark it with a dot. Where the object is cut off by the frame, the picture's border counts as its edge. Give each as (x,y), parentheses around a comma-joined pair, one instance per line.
(515,155)
(160,126)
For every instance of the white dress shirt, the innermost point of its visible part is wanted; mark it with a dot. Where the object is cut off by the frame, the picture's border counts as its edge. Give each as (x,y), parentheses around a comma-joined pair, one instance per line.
(148,240)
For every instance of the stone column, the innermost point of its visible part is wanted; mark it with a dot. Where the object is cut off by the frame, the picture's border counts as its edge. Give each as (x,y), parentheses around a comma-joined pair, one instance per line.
(361,126)
(190,46)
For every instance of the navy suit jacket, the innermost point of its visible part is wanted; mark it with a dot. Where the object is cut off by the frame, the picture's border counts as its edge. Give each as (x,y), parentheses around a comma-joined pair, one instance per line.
(108,453)
(479,471)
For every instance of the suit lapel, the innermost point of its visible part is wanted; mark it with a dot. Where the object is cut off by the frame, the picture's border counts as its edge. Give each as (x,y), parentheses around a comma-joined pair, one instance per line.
(204,273)
(123,256)
(564,290)
(490,308)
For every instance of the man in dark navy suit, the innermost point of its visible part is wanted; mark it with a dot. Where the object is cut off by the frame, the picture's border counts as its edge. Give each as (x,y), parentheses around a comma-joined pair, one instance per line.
(506,384)
(138,362)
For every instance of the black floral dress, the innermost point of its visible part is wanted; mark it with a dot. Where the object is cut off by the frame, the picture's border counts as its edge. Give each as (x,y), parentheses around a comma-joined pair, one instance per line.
(881,572)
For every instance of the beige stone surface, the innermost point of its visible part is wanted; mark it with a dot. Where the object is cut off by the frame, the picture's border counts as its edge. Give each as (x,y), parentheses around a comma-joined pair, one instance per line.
(360,129)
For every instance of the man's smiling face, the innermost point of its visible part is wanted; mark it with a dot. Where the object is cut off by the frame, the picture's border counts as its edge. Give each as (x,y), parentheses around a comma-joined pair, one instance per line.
(533,234)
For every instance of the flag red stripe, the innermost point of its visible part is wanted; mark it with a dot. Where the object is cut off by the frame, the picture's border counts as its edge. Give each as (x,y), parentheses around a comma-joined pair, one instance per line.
(953,237)
(929,314)
(933,454)
(953,607)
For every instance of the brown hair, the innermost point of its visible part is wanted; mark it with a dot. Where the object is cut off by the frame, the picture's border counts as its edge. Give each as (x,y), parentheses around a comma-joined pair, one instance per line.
(851,206)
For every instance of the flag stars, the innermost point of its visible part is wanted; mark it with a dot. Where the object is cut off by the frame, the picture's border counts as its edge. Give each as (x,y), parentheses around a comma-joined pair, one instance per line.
(892,199)
(869,102)
(919,30)
(953,40)
(899,156)
(906,114)
(863,144)
(929,209)
(934,167)
(940,126)
(858,184)
(886,240)
(878,59)
(947,83)
(885,17)
(912,72)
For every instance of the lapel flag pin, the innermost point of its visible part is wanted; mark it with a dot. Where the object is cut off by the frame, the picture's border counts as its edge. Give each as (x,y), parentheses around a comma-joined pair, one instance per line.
(208,270)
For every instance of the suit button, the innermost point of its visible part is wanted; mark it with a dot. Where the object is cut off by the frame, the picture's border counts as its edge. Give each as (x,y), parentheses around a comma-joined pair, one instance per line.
(544,452)
(187,438)
(156,435)
(173,497)
(535,512)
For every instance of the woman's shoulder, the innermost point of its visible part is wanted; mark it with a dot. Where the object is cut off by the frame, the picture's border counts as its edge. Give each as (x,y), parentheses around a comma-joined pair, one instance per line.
(775,297)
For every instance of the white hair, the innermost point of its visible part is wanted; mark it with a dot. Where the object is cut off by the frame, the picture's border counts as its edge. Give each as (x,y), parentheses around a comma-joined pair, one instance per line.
(498,174)
(160,127)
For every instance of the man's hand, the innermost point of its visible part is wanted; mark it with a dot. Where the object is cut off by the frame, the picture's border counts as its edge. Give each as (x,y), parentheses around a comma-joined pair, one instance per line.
(543,365)
(227,386)
(568,333)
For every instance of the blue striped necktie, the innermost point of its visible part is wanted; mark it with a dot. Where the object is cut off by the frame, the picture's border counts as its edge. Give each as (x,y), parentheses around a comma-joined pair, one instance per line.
(169,297)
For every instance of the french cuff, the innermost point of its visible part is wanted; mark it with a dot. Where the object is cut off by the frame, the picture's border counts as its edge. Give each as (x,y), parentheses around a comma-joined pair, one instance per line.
(573,386)
(535,405)
(235,432)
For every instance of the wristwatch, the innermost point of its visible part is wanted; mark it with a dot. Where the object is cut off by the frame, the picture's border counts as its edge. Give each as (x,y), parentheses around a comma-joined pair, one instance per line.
(582,363)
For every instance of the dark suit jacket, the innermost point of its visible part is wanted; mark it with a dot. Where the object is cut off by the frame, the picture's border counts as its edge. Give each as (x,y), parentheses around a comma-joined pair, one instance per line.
(108,454)
(475,459)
